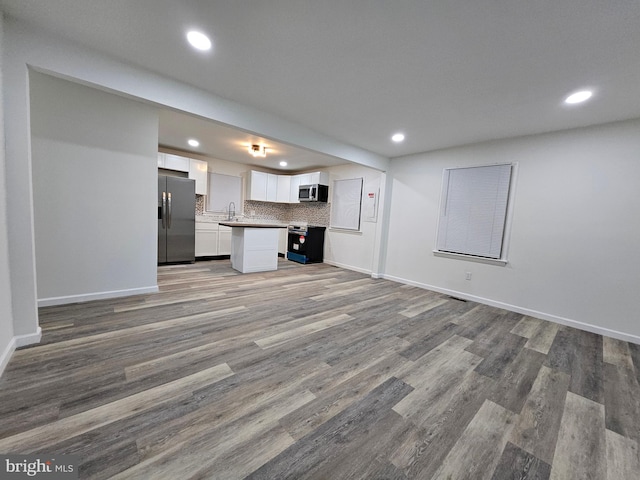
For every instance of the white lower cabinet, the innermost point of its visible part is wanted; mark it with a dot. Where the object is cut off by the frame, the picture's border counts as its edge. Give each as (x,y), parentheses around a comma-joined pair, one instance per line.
(206,239)
(212,239)
(224,240)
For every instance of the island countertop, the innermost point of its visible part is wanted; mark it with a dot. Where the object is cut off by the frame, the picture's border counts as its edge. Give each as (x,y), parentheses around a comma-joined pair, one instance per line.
(252,225)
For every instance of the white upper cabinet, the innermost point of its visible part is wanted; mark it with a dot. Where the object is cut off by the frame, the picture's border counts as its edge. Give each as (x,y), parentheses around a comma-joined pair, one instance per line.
(272,187)
(257,186)
(262,186)
(267,187)
(175,162)
(198,172)
(313,178)
(284,189)
(295,183)
(321,178)
(196,169)
(305,179)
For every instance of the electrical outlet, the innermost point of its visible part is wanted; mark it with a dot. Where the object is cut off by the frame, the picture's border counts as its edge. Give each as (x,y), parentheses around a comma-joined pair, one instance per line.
(467,276)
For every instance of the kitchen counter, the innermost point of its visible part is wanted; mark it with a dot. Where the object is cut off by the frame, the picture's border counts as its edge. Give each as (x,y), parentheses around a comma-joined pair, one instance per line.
(252,225)
(254,246)
(210,218)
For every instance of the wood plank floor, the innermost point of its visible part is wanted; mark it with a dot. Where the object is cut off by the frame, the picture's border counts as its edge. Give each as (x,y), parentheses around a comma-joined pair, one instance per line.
(321,373)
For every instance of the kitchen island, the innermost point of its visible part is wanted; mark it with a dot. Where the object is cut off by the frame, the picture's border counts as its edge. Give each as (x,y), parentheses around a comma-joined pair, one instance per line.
(254,246)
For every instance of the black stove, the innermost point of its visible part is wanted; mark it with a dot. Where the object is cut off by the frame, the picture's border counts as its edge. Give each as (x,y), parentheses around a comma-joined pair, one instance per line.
(305,243)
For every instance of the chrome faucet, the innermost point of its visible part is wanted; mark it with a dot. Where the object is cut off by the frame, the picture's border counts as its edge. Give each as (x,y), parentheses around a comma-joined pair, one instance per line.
(232,213)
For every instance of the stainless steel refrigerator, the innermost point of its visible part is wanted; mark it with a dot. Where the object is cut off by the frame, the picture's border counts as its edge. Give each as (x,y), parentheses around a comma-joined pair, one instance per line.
(176,219)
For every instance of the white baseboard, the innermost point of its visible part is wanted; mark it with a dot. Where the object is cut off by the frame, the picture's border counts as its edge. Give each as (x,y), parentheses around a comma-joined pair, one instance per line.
(6,354)
(28,339)
(86,297)
(347,267)
(525,311)
(16,342)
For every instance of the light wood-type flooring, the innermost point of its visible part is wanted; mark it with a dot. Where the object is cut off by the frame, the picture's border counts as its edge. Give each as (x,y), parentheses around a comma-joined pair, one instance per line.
(321,373)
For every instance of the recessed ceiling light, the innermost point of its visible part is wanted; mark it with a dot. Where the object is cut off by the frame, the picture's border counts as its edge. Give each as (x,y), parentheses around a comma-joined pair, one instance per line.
(193,142)
(199,40)
(283,163)
(398,137)
(578,97)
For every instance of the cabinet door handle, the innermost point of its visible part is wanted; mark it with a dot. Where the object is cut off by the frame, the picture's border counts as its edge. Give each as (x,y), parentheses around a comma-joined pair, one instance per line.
(164,209)
(169,215)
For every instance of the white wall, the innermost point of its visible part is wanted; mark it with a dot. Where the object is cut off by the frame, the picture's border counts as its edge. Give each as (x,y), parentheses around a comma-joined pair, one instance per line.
(25,46)
(95,192)
(6,314)
(355,250)
(573,254)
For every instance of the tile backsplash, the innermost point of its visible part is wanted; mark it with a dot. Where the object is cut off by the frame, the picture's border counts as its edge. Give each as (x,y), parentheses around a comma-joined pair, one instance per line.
(200,204)
(310,213)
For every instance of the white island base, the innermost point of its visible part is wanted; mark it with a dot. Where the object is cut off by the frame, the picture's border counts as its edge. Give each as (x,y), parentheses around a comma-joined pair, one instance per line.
(254,249)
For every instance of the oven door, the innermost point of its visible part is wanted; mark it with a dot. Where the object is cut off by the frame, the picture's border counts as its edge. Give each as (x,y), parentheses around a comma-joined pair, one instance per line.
(297,243)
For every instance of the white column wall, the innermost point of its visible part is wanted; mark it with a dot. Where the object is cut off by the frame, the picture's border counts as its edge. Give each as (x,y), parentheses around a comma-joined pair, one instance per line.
(6,314)
(22,267)
(94,158)
(356,250)
(573,249)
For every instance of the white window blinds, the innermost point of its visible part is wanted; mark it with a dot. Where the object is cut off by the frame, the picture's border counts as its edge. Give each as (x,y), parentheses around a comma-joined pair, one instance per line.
(346,201)
(224,189)
(473,210)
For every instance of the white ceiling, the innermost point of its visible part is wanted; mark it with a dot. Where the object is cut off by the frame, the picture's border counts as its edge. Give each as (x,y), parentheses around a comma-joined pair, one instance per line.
(226,143)
(444,73)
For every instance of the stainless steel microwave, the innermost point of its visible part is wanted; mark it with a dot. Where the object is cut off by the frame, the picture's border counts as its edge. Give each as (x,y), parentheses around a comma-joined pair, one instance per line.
(313,193)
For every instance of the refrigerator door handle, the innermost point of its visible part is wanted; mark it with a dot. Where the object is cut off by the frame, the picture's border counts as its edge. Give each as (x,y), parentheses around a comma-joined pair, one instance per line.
(164,209)
(169,210)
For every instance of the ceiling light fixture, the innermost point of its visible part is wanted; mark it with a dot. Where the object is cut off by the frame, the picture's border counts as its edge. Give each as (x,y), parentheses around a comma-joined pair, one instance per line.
(193,142)
(578,97)
(199,40)
(283,163)
(398,137)
(258,150)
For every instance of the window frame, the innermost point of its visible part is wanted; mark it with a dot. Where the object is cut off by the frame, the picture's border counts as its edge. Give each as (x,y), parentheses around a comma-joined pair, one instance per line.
(506,233)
